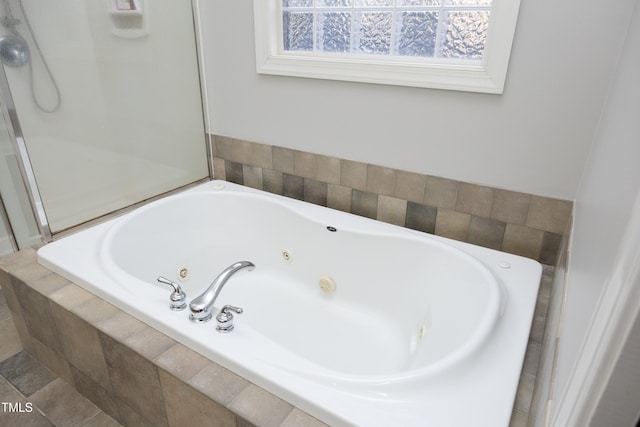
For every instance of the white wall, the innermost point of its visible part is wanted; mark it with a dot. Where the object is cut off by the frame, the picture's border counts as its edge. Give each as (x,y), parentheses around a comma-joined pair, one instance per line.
(604,201)
(533,139)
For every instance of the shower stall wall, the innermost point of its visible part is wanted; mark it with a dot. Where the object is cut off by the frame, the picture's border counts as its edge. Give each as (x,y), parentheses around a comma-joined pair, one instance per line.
(108,100)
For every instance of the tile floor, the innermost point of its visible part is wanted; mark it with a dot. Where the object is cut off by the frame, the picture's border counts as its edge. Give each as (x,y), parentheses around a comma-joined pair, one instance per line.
(32,396)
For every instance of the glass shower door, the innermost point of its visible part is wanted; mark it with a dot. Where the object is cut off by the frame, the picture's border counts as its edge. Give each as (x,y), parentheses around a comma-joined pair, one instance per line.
(18,227)
(109,102)
(7,241)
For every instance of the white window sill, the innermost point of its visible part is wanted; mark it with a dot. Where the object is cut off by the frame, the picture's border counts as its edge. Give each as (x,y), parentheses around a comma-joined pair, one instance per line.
(487,77)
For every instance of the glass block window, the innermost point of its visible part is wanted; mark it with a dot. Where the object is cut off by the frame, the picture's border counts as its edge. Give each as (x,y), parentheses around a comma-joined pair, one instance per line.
(445,44)
(415,28)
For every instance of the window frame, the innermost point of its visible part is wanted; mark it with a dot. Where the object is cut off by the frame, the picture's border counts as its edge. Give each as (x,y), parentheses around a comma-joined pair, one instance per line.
(487,77)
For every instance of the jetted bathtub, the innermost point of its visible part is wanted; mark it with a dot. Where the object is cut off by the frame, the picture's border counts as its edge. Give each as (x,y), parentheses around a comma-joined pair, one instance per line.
(355,321)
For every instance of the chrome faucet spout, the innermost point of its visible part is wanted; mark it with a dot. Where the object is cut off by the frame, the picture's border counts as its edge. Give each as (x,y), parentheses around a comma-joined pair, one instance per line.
(202,306)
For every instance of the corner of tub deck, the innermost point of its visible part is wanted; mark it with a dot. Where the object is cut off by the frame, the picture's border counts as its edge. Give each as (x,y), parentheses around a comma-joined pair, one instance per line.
(13,261)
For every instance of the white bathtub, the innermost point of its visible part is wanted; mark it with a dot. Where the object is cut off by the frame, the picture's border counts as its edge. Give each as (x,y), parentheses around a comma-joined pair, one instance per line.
(419,331)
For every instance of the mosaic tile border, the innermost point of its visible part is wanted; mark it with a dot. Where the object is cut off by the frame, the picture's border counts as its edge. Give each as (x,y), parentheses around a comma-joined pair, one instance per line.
(518,223)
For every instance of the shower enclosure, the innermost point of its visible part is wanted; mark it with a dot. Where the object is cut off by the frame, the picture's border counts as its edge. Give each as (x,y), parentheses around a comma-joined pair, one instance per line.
(18,225)
(102,107)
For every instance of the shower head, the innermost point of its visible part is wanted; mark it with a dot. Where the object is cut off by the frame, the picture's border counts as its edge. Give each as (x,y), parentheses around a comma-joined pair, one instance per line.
(14,50)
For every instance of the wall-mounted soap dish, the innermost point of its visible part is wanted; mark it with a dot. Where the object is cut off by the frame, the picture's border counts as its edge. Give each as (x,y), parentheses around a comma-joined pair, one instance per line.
(128,18)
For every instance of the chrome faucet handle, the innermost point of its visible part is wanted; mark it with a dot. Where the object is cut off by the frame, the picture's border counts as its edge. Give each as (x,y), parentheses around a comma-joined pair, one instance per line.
(177,297)
(225,318)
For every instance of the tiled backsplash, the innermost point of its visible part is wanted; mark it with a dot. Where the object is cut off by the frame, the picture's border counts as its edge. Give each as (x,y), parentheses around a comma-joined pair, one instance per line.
(543,395)
(519,223)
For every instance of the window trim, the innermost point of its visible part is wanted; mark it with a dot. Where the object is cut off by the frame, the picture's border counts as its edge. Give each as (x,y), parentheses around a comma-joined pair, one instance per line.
(487,77)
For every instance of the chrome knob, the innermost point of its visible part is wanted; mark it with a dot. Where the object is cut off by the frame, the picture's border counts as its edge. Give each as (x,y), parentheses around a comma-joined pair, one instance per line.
(225,318)
(177,297)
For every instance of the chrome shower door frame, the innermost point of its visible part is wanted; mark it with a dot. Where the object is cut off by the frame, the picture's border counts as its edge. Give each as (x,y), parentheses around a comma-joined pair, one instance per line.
(24,163)
(4,221)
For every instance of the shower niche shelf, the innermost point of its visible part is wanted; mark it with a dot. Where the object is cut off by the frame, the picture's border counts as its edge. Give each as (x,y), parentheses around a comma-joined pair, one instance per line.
(131,22)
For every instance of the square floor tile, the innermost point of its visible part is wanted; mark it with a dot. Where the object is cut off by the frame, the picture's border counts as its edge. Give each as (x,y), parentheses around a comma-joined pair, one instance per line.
(25,373)
(63,405)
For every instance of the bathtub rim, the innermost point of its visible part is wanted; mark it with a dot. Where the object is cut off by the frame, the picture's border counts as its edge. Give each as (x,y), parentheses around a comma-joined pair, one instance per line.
(486,391)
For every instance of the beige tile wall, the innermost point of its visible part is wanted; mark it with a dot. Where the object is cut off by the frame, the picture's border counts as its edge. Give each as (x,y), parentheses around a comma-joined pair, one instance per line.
(523,224)
(543,391)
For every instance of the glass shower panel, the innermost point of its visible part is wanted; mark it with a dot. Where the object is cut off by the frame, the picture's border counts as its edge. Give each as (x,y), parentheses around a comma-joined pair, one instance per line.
(6,244)
(17,220)
(108,99)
